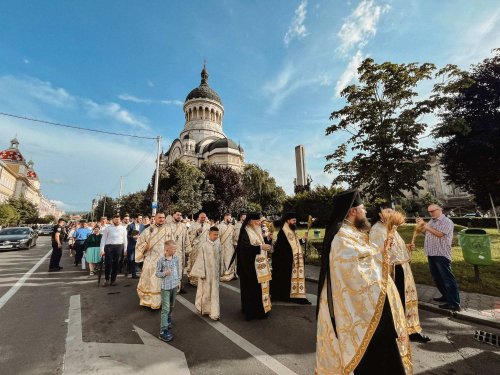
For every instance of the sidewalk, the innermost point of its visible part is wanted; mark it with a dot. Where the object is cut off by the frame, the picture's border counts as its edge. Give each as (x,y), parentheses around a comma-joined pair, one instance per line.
(476,308)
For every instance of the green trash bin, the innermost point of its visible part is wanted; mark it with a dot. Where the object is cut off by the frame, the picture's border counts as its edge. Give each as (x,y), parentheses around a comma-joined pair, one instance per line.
(476,246)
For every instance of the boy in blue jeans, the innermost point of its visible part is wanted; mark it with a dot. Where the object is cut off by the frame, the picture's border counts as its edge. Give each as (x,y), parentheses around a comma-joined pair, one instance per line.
(167,269)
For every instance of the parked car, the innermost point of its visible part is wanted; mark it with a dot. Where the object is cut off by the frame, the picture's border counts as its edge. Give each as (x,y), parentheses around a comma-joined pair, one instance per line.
(471,214)
(17,238)
(45,230)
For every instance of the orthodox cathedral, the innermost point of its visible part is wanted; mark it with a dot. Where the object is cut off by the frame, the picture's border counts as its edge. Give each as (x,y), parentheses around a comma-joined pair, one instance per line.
(203,139)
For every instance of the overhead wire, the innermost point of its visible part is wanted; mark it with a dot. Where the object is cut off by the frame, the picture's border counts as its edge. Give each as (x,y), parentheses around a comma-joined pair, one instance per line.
(75,127)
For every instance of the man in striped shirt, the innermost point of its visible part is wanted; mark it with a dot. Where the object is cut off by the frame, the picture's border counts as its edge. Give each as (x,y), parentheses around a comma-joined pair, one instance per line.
(437,245)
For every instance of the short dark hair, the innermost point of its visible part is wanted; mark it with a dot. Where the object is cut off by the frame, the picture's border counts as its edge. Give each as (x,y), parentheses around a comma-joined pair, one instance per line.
(214,229)
(116,216)
(61,219)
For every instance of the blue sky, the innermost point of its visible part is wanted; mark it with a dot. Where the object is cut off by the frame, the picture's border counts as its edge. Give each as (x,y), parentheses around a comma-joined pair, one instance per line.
(278,66)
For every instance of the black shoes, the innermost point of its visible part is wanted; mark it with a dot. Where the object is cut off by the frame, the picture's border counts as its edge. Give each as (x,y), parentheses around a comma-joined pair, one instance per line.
(440,299)
(182,291)
(418,337)
(55,269)
(447,306)
(134,277)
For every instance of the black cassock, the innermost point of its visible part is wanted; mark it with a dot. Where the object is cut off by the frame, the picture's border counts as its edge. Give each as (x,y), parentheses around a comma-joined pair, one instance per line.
(282,268)
(251,292)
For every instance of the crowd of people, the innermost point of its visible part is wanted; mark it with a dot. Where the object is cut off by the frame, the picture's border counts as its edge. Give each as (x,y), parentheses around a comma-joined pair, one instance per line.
(367,300)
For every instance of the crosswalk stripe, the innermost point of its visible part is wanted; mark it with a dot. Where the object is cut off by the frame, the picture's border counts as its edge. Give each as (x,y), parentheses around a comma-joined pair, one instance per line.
(244,344)
(5,298)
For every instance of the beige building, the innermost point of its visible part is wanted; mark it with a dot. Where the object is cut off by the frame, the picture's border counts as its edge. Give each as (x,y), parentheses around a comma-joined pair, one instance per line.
(447,193)
(18,178)
(203,138)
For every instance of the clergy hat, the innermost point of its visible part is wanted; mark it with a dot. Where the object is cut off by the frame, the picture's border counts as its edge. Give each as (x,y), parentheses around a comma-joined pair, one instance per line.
(253,216)
(289,216)
(341,204)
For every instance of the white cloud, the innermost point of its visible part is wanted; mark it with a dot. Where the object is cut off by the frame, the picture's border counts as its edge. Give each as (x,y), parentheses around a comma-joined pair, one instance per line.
(350,72)
(34,88)
(61,205)
(31,95)
(360,26)
(477,41)
(100,160)
(132,98)
(172,102)
(135,99)
(297,29)
(116,112)
(26,61)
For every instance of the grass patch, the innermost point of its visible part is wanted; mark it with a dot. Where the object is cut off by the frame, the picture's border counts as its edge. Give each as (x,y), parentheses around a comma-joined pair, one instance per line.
(464,272)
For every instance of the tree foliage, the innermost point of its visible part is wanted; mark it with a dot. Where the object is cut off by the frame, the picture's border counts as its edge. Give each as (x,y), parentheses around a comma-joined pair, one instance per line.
(470,128)
(384,120)
(228,190)
(134,204)
(182,187)
(8,215)
(317,203)
(28,212)
(262,192)
(106,206)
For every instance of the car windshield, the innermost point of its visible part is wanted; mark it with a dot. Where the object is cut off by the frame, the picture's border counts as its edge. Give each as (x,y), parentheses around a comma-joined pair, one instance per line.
(14,231)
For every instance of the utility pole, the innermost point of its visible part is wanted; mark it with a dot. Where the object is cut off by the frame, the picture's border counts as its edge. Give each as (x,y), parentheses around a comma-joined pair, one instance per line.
(120,195)
(157,175)
(104,207)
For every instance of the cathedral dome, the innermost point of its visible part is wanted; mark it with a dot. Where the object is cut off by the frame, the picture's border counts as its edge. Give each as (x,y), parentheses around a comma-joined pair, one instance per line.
(204,91)
(12,154)
(223,143)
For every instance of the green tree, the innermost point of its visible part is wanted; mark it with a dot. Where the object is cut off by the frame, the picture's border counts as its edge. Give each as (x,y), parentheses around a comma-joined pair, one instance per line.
(134,204)
(383,118)
(317,203)
(106,206)
(261,190)
(8,215)
(28,212)
(186,188)
(470,128)
(228,190)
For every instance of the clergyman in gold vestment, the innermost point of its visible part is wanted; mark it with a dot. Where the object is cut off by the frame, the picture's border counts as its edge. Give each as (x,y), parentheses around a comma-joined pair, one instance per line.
(400,270)
(361,323)
(149,249)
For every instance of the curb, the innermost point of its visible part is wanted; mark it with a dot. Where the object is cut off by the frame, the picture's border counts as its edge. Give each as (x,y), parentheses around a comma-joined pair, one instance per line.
(462,315)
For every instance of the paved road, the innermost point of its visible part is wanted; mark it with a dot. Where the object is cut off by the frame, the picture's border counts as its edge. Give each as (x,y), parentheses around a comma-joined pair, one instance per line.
(40,325)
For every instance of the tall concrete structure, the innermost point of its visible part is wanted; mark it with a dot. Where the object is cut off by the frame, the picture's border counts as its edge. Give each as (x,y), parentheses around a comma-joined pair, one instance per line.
(300,164)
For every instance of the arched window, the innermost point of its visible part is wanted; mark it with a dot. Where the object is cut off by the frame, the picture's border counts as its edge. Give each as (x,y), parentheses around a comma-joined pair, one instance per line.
(195,114)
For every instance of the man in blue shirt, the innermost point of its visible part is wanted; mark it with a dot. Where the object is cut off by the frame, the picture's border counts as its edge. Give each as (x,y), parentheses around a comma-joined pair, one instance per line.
(80,235)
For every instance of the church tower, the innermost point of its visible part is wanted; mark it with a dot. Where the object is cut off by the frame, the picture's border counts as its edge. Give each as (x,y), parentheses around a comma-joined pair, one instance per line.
(203,139)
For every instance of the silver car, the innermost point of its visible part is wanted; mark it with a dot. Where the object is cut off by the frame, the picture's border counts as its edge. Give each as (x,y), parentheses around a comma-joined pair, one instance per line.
(17,238)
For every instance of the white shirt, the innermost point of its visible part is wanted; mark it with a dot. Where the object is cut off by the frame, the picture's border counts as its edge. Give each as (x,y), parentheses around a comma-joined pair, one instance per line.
(114,235)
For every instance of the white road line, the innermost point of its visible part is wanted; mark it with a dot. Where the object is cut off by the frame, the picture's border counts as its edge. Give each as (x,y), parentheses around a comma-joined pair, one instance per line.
(5,298)
(247,346)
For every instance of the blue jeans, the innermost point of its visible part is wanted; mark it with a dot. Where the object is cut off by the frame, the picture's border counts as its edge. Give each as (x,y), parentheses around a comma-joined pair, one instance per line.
(440,268)
(167,305)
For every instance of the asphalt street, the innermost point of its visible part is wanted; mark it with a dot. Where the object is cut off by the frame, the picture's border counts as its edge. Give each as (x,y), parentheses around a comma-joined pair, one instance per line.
(62,323)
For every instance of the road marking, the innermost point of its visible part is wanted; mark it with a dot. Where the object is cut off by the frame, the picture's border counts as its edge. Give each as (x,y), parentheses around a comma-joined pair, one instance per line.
(5,298)
(150,358)
(311,297)
(244,344)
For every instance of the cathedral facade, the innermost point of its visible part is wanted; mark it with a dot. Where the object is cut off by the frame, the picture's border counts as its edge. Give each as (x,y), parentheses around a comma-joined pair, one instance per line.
(203,138)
